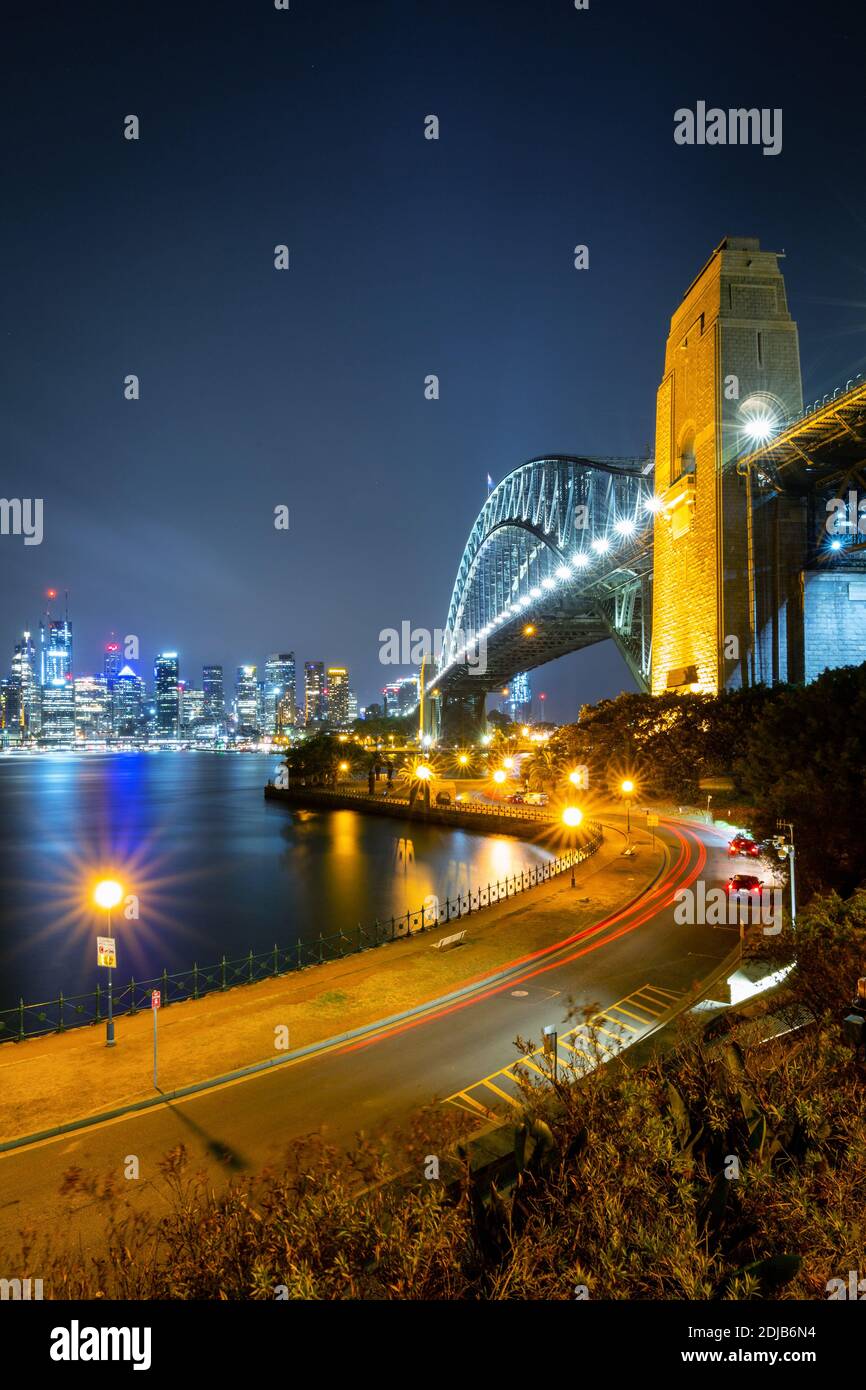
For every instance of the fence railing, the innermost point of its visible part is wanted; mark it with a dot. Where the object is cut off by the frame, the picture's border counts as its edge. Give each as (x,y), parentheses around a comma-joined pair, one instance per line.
(76,1010)
(504,810)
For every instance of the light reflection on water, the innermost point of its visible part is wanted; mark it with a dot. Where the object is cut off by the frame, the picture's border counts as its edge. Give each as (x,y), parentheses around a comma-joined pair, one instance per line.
(214,867)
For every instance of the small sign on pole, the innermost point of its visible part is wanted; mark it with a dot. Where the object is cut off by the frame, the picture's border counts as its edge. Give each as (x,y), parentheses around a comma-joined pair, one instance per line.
(652,821)
(155,1001)
(105,951)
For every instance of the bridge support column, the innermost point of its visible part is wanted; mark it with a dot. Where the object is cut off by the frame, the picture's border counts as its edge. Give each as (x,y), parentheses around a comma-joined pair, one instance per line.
(462,717)
(724,589)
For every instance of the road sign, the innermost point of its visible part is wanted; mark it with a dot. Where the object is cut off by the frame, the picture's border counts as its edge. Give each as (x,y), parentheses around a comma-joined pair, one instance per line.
(651,819)
(155,999)
(105,952)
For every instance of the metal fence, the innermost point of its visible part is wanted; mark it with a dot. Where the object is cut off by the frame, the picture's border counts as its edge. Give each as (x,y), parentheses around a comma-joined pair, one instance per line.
(504,810)
(75,1010)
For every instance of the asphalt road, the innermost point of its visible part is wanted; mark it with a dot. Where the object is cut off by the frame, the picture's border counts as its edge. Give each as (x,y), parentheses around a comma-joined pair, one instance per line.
(630,969)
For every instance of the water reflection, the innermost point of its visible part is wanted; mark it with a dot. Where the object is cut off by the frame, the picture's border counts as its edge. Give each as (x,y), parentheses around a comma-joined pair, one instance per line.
(214,867)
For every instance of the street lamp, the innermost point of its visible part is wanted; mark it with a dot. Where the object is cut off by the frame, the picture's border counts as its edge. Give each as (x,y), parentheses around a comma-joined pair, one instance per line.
(107,894)
(627,788)
(572,817)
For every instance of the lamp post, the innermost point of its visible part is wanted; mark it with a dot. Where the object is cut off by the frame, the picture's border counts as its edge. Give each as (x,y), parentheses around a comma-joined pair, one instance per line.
(107,894)
(572,817)
(627,789)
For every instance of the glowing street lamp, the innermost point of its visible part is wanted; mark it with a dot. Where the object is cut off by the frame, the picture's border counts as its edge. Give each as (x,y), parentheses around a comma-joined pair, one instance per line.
(572,816)
(423,772)
(499,776)
(107,894)
(627,790)
(463,759)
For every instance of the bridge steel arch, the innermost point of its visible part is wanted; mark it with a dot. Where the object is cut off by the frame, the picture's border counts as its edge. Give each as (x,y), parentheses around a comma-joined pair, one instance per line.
(559,557)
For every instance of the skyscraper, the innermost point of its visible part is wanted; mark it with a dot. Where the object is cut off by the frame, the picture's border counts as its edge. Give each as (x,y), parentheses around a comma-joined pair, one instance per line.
(518,703)
(58,714)
(55,643)
(112,661)
(29,710)
(214,698)
(279,692)
(92,700)
(247,699)
(338,696)
(127,701)
(315,694)
(166,670)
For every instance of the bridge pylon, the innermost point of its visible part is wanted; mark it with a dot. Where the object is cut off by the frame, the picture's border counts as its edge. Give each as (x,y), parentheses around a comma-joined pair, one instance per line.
(727,592)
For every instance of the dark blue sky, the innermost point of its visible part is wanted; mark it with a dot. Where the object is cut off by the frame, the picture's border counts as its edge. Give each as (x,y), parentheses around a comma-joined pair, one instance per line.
(409,257)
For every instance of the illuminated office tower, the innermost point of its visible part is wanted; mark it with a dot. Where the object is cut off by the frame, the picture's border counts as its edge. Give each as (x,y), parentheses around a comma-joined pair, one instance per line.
(55,643)
(214,697)
(247,699)
(112,661)
(353,707)
(92,700)
(58,714)
(192,708)
(166,671)
(315,694)
(338,696)
(279,697)
(127,705)
(518,705)
(29,704)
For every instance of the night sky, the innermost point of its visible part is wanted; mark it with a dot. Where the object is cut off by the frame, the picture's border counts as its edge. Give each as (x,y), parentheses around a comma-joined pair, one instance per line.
(408,257)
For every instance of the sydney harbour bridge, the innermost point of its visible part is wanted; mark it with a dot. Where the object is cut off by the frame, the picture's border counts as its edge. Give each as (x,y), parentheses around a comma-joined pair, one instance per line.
(734,556)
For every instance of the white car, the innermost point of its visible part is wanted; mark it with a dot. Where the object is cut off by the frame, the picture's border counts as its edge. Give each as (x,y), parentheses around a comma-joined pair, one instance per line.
(536,799)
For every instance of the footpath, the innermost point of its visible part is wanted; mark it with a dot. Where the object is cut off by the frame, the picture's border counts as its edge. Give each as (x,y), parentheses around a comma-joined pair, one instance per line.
(51,1081)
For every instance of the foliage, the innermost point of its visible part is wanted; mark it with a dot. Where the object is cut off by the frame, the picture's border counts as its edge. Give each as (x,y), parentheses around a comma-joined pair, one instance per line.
(617,1185)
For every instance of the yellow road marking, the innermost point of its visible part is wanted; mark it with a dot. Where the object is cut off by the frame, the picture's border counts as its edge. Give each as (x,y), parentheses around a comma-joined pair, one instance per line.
(489,1084)
(621,1010)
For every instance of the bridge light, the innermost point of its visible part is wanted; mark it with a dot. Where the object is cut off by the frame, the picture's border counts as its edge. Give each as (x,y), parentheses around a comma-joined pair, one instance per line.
(535,593)
(523,601)
(624,527)
(499,776)
(562,573)
(547,583)
(529,630)
(572,816)
(654,503)
(601,544)
(760,429)
(580,560)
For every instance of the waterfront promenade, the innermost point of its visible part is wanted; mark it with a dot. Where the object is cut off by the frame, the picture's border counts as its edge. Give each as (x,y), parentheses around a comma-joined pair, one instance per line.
(49,1081)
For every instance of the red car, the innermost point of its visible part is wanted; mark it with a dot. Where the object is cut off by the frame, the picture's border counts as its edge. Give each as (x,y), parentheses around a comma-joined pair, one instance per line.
(741,844)
(516,798)
(744,883)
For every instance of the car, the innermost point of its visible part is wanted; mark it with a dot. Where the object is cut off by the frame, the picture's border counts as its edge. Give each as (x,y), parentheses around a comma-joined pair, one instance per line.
(536,798)
(744,883)
(516,798)
(741,844)
(443,798)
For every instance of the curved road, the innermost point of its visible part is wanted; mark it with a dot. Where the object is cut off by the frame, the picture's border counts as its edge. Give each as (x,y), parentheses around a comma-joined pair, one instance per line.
(628,969)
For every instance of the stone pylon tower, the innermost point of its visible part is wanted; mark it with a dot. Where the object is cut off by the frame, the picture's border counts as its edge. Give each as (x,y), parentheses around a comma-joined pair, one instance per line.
(727,589)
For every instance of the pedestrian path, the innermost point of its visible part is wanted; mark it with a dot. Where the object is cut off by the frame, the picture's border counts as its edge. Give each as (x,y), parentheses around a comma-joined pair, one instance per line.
(578,1050)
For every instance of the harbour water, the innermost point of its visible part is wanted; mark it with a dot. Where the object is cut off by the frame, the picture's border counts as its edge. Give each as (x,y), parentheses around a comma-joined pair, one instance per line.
(206,864)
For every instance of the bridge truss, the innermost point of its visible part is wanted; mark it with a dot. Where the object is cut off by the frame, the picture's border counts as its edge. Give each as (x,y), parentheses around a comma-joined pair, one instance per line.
(559,557)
